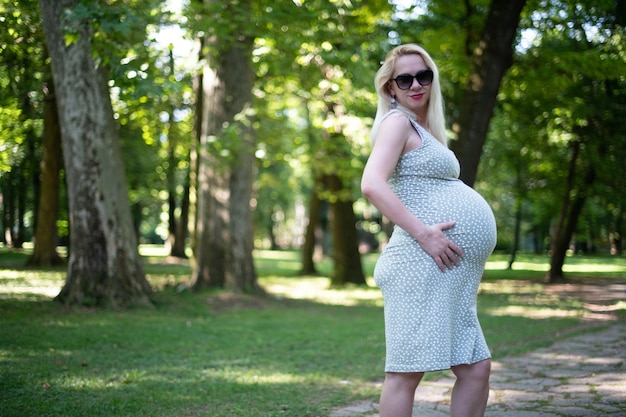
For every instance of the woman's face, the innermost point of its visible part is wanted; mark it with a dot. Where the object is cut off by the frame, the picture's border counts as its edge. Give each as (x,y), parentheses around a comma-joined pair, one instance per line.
(416,96)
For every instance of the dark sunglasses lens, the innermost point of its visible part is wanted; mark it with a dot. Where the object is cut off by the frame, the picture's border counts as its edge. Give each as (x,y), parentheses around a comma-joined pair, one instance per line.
(404,81)
(424,77)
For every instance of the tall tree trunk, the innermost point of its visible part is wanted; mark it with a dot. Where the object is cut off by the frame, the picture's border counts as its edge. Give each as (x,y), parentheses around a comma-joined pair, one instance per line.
(211,190)
(241,273)
(491,58)
(224,239)
(171,189)
(177,226)
(569,214)
(616,237)
(308,249)
(45,253)
(20,236)
(315,204)
(104,266)
(182,225)
(194,152)
(518,216)
(346,257)
(8,208)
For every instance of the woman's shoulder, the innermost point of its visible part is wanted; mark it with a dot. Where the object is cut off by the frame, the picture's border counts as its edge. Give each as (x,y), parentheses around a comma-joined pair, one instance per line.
(396,117)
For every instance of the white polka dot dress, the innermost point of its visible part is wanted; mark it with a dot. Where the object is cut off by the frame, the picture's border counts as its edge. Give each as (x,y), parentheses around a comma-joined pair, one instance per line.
(430,316)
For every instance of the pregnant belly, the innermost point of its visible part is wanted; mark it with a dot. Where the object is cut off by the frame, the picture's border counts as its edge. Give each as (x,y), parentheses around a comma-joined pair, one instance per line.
(475,228)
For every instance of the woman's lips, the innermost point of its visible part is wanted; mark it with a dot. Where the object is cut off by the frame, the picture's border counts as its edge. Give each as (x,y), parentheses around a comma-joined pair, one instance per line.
(417,96)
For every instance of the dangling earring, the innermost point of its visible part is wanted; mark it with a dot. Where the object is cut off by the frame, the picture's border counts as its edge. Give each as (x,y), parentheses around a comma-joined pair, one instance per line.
(394,104)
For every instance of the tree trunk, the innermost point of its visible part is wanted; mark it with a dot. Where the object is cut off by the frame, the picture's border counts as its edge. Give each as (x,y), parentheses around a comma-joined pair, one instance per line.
(241,273)
(491,58)
(519,200)
(177,226)
(182,226)
(569,214)
(21,206)
(8,208)
(211,190)
(516,232)
(194,154)
(308,249)
(616,236)
(104,266)
(45,253)
(224,239)
(315,205)
(346,257)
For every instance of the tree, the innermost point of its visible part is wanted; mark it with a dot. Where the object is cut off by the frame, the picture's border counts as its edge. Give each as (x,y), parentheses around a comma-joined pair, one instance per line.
(177,224)
(44,252)
(491,56)
(333,76)
(225,152)
(104,266)
(558,113)
(472,42)
(588,121)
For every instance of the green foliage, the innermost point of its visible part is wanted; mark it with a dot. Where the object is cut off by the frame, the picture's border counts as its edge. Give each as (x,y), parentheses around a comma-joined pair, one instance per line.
(115,25)
(332,75)
(22,72)
(313,88)
(13,135)
(567,86)
(314,98)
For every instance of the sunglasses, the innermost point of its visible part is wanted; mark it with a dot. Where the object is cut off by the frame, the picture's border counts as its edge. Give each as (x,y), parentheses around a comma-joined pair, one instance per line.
(405,81)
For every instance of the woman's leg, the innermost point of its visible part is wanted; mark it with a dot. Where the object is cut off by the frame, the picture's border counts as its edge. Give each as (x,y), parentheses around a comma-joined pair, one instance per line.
(398,394)
(471,390)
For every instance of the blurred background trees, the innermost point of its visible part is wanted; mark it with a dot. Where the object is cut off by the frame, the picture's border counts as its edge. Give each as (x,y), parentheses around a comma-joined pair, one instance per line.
(245,125)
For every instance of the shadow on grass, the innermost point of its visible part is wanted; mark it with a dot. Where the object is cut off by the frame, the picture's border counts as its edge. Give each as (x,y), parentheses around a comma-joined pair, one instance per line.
(284,358)
(281,357)
(220,354)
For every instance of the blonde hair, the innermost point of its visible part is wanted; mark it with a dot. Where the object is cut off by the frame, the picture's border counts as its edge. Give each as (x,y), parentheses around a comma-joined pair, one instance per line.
(435,121)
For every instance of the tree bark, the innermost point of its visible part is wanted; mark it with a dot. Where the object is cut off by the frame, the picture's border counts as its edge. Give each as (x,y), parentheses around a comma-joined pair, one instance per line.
(8,208)
(315,205)
(182,225)
(519,200)
(571,208)
(346,257)
(241,273)
(308,249)
(46,234)
(211,190)
(104,266)
(491,59)
(224,239)
(177,226)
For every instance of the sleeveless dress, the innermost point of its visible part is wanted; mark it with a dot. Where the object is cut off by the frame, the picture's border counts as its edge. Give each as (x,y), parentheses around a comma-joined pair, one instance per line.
(431,321)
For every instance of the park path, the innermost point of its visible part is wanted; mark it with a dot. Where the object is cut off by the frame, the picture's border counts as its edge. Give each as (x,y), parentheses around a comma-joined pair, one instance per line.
(580,376)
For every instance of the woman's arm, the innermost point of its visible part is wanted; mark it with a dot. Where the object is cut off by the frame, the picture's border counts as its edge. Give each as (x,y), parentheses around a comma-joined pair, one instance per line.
(394,134)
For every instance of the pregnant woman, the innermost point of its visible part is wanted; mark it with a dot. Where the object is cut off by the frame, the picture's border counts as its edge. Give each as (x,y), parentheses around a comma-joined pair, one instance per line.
(444,232)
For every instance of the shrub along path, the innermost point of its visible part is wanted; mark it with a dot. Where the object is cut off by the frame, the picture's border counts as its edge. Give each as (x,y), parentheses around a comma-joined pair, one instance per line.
(581,376)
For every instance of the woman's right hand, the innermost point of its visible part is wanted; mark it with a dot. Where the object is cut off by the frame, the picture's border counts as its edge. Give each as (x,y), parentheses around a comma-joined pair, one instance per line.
(444,252)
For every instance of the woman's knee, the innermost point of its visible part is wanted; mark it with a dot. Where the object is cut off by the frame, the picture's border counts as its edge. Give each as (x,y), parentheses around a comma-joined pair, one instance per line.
(404,380)
(477,371)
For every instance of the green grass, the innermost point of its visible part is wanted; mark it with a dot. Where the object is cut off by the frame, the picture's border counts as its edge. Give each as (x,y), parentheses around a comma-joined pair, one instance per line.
(299,352)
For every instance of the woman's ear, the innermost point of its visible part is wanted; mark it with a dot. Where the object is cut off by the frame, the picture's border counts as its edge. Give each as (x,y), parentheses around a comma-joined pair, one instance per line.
(390,89)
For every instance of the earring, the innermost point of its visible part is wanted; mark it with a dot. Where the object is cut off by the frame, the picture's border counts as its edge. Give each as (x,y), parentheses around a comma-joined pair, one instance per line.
(394,104)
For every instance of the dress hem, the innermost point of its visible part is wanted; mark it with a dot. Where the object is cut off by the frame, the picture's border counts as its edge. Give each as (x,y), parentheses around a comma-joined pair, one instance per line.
(407,370)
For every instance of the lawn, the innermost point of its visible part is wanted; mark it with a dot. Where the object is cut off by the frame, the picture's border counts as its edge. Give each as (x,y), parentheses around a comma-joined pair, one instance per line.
(298,352)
